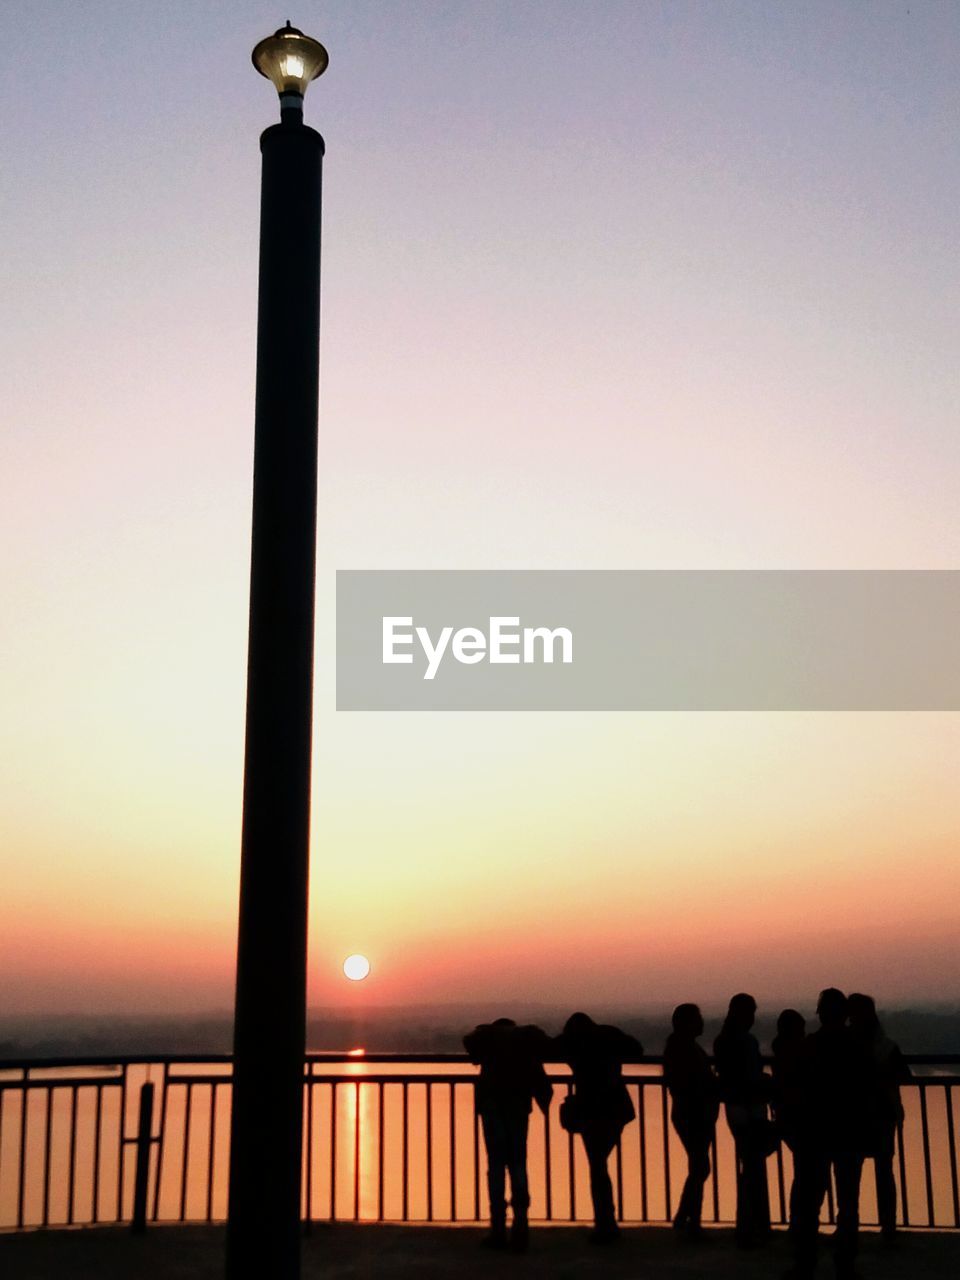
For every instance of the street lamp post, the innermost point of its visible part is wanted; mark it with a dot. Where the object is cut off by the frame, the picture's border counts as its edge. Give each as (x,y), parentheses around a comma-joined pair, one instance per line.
(263,1230)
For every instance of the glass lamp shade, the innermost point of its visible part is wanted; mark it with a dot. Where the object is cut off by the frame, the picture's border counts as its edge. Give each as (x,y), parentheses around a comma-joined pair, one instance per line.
(290,59)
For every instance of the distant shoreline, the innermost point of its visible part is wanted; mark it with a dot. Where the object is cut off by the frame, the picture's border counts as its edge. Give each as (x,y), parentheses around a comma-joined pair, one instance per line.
(404,1029)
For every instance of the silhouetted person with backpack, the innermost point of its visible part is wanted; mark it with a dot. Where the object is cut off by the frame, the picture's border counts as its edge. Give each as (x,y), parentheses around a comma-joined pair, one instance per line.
(695,1096)
(511,1077)
(885,1115)
(600,1106)
(787,1094)
(745,1089)
(837,1084)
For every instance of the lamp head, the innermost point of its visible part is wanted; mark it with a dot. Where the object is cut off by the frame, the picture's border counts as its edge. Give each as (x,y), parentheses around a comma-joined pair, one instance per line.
(290,60)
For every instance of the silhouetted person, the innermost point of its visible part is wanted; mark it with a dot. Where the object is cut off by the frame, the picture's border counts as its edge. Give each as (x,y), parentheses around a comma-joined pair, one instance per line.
(744,1089)
(695,1096)
(603,1107)
(836,1086)
(885,1114)
(511,1077)
(787,1094)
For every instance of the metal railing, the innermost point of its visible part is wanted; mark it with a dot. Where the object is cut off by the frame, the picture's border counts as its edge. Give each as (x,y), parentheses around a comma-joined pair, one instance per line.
(387,1137)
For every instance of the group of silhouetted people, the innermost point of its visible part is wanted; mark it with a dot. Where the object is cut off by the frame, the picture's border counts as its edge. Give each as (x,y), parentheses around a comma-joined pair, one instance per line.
(833,1099)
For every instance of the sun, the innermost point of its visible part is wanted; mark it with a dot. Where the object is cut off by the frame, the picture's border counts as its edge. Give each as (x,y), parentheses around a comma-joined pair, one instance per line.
(356,967)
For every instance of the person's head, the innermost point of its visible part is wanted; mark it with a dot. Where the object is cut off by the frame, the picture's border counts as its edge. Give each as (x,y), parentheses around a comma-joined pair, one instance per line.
(687,1020)
(577,1024)
(742,1012)
(832,1007)
(791,1025)
(862,1012)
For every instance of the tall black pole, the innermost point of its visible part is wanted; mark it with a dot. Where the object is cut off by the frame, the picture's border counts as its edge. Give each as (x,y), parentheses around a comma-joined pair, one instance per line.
(263,1231)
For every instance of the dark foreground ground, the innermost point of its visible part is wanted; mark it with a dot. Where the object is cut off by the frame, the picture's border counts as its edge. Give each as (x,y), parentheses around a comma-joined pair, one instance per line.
(381,1252)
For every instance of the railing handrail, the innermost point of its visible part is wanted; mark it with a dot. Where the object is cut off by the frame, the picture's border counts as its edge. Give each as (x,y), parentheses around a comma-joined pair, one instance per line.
(345,1056)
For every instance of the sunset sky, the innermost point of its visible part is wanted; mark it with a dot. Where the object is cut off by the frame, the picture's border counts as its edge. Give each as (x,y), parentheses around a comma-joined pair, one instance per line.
(609,285)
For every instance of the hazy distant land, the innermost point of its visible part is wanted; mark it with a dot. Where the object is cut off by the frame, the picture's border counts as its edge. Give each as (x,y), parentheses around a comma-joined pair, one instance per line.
(933,1028)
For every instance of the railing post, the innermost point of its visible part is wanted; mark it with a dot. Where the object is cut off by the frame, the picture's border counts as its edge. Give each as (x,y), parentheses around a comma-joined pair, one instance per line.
(142,1173)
